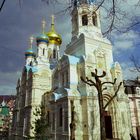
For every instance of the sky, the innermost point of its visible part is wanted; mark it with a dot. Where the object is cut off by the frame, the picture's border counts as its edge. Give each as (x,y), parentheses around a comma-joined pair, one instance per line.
(19,21)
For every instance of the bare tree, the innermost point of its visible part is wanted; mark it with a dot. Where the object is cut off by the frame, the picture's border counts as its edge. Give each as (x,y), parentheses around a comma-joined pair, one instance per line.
(98,84)
(116,17)
(136,63)
(2,4)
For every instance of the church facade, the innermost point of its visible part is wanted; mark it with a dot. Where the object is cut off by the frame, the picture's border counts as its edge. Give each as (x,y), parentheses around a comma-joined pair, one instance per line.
(56,82)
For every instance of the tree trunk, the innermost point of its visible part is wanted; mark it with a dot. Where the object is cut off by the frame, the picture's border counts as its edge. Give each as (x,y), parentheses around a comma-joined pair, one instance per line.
(101,109)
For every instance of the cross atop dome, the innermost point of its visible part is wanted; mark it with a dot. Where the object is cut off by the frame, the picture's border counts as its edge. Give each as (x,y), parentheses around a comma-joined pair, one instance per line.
(43,26)
(54,37)
(52,19)
(31,39)
(52,24)
(29,52)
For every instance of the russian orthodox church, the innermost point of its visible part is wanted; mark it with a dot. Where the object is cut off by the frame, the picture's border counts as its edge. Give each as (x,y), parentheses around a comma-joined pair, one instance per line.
(55,81)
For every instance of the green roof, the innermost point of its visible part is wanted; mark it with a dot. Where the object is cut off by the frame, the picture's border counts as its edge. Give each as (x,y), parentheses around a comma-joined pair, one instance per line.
(4,110)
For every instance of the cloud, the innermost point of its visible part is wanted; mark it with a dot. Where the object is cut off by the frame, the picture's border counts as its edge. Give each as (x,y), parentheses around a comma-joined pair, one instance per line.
(17,26)
(127,13)
(8,82)
(131,35)
(126,41)
(129,71)
(123,44)
(15,29)
(7,90)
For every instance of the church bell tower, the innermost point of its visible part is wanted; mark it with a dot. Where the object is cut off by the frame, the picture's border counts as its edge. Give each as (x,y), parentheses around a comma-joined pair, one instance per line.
(85,19)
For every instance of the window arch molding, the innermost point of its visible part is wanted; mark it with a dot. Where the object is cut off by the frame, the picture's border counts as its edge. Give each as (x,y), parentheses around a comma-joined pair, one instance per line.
(94,18)
(84,19)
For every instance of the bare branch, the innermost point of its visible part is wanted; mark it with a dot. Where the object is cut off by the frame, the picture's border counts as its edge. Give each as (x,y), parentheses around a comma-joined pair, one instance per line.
(103,74)
(104,89)
(136,65)
(96,71)
(112,14)
(20,3)
(99,5)
(64,10)
(113,96)
(110,82)
(2,5)
(51,91)
(88,81)
(94,74)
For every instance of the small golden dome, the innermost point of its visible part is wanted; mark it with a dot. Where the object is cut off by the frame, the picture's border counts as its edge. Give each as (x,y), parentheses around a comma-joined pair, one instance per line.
(54,38)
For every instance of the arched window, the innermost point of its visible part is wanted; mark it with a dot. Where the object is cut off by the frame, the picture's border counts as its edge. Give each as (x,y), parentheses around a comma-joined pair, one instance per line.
(63,80)
(43,51)
(54,53)
(49,53)
(48,117)
(84,20)
(94,19)
(31,63)
(67,77)
(53,121)
(60,117)
(138,90)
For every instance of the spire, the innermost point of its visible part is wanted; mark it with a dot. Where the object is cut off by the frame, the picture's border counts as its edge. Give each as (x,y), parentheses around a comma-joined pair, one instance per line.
(29,51)
(52,24)
(43,26)
(42,37)
(54,37)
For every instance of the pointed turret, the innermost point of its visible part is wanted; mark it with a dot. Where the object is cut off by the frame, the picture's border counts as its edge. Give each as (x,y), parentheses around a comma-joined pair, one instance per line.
(42,38)
(54,37)
(55,41)
(42,43)
(29,54)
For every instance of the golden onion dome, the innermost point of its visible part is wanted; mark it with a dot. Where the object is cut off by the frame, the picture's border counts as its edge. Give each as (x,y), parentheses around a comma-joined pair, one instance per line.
(54,38)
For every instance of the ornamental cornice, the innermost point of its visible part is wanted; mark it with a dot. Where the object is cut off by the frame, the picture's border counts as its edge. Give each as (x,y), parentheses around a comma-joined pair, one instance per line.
(75,43)
(98,41)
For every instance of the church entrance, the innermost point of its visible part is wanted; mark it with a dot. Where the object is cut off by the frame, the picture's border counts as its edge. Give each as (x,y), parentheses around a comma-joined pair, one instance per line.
(108,126)
(138,132)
